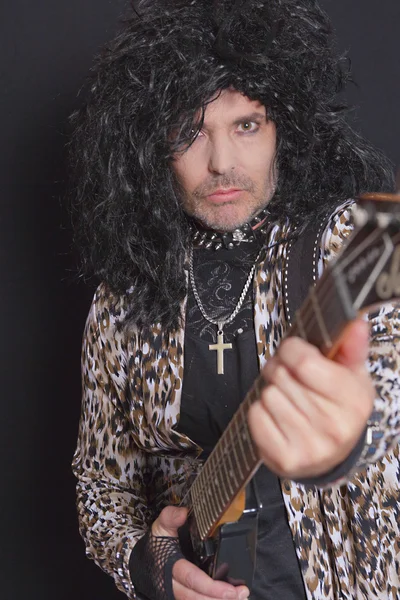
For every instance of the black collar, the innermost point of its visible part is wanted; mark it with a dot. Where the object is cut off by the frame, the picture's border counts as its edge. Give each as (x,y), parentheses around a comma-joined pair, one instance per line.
(256,229)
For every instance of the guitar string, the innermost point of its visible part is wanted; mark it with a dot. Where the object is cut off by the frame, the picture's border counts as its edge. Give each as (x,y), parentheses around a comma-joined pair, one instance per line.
(218,471)
(308,318)
(236,445)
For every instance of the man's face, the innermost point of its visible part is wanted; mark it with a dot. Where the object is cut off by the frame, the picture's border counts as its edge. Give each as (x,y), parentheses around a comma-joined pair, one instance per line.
(227,175)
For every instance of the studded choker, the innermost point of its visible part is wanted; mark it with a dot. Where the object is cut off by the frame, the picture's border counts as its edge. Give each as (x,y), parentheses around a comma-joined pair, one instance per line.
(256,229)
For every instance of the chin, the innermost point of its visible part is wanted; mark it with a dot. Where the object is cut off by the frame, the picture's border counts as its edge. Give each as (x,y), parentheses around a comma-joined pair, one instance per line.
(227,227)
(220,225)
(225,223)
(227,218)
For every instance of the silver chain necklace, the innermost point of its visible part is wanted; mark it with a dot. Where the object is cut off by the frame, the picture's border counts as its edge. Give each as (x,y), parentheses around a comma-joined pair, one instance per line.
(220,346)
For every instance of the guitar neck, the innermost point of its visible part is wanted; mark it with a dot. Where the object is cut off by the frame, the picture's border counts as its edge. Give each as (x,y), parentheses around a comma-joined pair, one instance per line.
(227,470)
(357,281)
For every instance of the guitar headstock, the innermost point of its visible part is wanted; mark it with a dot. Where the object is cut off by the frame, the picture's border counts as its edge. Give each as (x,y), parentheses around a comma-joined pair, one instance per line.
(367,272)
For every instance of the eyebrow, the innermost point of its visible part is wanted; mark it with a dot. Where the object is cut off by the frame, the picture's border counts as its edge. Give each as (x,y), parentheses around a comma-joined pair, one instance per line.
(255,116)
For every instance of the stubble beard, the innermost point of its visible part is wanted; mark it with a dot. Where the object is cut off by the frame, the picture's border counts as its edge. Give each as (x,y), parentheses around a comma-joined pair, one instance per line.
(225,217)
(231,215)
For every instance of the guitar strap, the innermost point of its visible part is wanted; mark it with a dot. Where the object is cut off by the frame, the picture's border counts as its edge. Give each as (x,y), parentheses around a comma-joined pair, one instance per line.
(301,269)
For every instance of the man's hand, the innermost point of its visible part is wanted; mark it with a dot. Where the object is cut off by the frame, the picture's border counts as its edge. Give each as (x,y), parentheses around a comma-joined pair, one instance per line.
(189,582)
(314,410)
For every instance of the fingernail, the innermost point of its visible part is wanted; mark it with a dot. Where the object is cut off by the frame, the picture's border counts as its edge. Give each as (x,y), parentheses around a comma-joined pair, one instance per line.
(243,596)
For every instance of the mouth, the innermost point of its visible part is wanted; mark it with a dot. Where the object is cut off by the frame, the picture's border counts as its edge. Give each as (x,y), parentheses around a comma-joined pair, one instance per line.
(224,195)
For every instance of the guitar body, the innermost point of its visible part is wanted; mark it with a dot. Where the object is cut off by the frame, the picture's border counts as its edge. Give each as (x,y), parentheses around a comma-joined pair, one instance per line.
(230,555)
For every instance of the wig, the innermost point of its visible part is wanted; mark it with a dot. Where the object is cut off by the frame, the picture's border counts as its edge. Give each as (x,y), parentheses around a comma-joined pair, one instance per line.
(156,77)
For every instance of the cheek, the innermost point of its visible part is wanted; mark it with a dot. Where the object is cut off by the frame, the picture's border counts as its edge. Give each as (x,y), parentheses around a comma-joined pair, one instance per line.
(181,171)
(259,160)
(188,172)
(259,169)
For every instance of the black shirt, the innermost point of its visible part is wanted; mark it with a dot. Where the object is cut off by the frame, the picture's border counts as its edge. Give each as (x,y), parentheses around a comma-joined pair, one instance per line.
(209,401)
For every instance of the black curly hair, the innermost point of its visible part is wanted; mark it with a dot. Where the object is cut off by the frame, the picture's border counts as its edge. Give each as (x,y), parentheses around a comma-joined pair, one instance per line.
(169,59)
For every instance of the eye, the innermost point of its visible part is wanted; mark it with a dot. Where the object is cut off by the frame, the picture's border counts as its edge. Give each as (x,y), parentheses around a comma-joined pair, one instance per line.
(248,127)
(195,133)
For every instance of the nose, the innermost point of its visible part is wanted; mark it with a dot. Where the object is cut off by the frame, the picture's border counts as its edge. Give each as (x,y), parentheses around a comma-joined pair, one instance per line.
(221,155)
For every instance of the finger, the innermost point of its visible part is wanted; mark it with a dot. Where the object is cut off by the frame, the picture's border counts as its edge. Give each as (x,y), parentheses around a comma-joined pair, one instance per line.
(298,404)
(306,386)
(301,411)
(183,593)
(300,453)
(267,435)
(316,372)
(353,350)
(169,521)
(192,578)
(281,378)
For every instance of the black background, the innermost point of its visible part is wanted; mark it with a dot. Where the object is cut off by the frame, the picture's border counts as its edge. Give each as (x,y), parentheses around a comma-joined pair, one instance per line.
(47,48)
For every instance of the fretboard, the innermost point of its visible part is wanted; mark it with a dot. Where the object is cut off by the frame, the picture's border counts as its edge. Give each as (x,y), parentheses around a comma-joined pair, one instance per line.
(227,470)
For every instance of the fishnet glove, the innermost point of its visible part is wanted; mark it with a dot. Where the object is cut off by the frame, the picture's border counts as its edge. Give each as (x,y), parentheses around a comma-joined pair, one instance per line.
(151,565)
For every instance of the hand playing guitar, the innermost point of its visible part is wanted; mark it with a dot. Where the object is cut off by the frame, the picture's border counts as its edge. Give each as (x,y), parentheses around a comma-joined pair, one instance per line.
(314,410)
(189,582)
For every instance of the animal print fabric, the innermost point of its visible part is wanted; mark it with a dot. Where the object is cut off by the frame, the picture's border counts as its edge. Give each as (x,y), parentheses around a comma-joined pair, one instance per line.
(130,462)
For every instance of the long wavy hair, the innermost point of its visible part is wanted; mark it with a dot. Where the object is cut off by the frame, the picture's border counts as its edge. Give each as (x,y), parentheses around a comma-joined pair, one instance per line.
(158,74)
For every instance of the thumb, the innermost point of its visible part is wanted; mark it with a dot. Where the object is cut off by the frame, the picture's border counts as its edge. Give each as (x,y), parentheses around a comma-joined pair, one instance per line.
(169,521)
(353,349)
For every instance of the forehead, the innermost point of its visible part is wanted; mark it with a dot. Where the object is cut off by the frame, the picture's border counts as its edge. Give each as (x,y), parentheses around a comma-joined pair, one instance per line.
(230,105)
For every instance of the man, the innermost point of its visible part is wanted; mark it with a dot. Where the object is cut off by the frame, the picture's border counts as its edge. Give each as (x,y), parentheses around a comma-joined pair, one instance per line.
(210,138)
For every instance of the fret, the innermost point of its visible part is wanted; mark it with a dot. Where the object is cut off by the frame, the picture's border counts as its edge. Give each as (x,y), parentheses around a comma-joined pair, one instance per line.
(224,480)
(216,481)
(249,444)
(208,518)
(229,472)
(203,507)
(202,515)
(239,437)
(204,518)
(221,501)
(246,434)
(207,511)
(195,487)
(199,518)
(219,475)
(214,487)
(232,441)
(320,319)
(211,477)
(216,511)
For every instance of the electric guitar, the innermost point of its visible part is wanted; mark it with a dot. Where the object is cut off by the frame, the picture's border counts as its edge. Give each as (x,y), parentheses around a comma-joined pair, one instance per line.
(223,506)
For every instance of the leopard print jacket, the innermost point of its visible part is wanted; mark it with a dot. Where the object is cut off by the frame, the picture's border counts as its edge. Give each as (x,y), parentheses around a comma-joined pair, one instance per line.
(130,461)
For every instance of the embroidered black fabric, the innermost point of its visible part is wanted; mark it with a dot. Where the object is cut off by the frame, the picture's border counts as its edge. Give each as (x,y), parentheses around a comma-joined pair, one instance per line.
(151,564)
(220,277)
